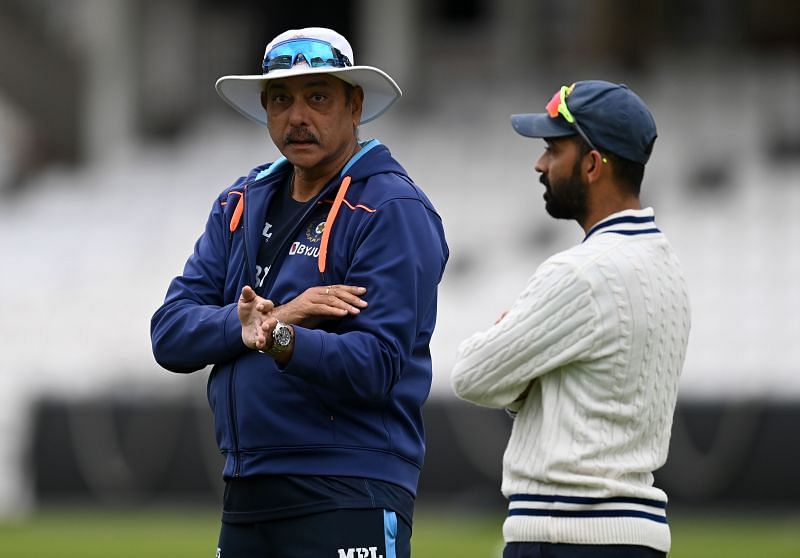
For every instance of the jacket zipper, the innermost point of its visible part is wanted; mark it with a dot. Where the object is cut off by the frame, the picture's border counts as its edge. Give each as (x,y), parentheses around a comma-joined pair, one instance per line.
(237,461)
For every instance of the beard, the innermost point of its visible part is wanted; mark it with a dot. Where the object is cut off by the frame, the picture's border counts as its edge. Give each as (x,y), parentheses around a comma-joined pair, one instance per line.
(566,198)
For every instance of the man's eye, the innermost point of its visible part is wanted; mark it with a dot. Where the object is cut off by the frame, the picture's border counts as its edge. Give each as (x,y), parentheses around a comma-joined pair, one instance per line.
(318,98)
(278,98)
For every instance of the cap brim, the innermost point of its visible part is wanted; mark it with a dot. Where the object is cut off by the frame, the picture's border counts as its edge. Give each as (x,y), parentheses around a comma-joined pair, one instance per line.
(540,125)
(244,92)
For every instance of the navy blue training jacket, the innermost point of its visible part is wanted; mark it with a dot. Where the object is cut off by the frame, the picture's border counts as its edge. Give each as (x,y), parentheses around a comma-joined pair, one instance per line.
(349,401)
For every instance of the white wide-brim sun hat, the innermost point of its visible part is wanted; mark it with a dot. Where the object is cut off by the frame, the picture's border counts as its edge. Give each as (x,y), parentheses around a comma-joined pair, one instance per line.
(244,92)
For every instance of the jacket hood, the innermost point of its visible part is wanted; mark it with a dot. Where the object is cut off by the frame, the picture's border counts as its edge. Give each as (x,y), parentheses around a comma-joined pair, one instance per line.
(373,158)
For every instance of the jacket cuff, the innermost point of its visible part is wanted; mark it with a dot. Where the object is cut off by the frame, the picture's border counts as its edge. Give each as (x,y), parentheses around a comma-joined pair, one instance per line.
(308,347)
(233,329)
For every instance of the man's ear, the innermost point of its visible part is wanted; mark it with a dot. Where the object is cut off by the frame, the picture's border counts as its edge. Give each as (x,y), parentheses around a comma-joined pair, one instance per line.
(264,99)
(596,165)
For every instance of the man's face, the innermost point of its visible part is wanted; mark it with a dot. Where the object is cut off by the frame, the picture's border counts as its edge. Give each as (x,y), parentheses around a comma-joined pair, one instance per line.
(310,119)
(566,192)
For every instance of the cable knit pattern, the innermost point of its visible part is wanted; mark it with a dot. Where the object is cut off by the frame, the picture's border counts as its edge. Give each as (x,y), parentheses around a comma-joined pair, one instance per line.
(589,357)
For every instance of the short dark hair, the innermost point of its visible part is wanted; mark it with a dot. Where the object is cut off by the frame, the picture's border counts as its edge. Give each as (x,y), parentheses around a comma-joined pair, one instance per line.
(349,90)
(628,173)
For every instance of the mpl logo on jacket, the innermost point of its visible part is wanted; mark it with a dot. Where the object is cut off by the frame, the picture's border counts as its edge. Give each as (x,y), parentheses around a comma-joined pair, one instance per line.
(369,552)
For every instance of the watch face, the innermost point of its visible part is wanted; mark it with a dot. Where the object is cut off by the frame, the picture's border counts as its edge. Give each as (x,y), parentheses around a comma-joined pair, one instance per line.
(282,335)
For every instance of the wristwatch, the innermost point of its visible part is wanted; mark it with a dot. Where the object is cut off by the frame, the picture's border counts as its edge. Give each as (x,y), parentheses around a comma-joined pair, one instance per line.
(282,337)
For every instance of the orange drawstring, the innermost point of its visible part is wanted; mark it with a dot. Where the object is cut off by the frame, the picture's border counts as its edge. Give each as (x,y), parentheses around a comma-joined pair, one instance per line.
(337,203)
(323,249)
(237,211)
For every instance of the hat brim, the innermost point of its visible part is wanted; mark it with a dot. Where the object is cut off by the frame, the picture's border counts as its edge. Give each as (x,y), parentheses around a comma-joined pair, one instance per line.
(540,125)
(244,92)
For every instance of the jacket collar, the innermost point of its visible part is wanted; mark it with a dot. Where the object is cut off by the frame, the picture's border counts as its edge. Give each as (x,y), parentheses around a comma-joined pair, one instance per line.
(282,161)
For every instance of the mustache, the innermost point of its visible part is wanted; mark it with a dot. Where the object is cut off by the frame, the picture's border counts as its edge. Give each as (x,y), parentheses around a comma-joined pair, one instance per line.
(544,180)
(300,135)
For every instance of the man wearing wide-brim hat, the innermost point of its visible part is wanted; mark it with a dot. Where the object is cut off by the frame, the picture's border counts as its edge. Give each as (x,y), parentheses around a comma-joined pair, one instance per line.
(312,292)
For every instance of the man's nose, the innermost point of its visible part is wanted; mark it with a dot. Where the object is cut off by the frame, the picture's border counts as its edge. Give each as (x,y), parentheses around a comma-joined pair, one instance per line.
(298,113)
(540,165)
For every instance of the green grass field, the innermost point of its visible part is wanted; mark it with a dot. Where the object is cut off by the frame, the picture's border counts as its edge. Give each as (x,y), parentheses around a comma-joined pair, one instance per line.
(78,533)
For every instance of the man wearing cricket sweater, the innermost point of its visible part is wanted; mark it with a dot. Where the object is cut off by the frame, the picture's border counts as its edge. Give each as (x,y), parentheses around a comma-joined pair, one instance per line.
(589,355)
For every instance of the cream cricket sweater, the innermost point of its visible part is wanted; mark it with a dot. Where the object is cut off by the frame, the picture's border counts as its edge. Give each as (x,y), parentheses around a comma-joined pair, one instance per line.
(589,357)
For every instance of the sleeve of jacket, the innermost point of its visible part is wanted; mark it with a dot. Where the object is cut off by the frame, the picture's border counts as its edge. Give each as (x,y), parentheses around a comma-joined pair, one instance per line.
(194,328)
(554,321)
(399,257)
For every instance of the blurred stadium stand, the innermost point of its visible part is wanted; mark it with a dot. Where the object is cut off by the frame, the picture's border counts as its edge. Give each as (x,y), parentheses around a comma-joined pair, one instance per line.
(102,451)
(113,145)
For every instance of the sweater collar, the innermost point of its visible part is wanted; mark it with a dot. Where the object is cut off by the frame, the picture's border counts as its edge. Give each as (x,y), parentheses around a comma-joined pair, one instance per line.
(630,222)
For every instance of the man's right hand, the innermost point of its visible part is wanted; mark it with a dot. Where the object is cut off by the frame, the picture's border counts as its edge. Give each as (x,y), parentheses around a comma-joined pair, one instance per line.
(253,310)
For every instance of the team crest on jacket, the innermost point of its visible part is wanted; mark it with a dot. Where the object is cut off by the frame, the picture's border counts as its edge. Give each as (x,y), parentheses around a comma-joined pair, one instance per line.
(314,231)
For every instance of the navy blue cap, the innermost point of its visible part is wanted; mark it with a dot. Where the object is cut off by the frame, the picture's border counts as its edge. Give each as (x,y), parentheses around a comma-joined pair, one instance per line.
(613,117)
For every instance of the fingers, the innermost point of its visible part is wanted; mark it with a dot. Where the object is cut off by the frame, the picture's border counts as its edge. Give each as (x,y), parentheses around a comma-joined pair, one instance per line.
(252,310)
(251,333)
(345,297)
(260,339)
(317,304)
(268,324)
(248,294)
(265,306)
(254,336)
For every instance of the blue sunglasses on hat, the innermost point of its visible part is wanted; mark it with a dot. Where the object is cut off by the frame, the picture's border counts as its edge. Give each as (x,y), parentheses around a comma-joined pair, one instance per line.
(313,52)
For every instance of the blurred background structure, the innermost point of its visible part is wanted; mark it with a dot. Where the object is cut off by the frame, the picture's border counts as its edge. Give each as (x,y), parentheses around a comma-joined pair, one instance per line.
(113,145)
